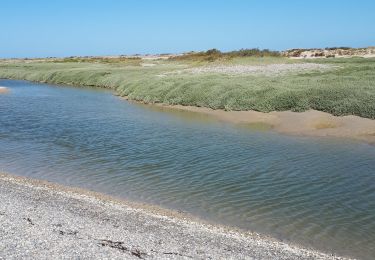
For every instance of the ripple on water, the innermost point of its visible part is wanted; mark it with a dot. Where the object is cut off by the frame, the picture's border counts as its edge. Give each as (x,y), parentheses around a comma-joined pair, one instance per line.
(318,192)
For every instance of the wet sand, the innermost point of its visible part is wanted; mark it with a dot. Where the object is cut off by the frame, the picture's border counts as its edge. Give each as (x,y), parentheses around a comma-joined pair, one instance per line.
(308,123)
(41,220)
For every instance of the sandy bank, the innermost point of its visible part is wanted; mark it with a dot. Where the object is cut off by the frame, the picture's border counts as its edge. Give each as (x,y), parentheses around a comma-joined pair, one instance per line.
(41,220)
(308,123)
(3,90)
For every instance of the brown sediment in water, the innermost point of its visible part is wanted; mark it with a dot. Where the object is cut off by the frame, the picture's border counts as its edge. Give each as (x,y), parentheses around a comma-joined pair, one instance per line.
(3,90)
(308,123)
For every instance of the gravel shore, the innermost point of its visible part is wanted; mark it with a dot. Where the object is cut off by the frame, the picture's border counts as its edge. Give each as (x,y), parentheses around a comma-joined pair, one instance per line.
(40,220)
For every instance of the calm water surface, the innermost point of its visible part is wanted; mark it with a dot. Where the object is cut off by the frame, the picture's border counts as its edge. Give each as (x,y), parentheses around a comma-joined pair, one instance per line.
(316,192)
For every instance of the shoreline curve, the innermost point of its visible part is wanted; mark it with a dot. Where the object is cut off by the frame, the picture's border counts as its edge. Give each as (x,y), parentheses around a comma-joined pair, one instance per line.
(311,123)
(62,221)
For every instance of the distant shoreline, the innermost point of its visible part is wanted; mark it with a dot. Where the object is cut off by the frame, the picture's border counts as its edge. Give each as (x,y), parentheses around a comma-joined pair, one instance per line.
(305,53)
(92,224)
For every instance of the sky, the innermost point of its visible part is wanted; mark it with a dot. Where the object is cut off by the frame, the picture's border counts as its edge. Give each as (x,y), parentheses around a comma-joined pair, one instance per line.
(44,28)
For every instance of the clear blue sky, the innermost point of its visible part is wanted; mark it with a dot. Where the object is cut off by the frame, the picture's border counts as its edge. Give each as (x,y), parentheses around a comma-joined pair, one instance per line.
(42,28)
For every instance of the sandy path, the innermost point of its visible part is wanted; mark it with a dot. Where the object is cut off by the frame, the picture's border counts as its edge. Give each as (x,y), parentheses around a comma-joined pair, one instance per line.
(40,220)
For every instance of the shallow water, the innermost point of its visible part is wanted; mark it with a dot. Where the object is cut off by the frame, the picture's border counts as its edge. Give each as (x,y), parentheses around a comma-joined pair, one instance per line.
(318,192)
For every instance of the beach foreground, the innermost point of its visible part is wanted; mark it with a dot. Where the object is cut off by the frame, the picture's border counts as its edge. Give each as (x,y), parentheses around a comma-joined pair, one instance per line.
(42,220)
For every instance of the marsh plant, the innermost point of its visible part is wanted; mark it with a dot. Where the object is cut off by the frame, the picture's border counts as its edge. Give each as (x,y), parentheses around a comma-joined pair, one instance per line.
(346,89)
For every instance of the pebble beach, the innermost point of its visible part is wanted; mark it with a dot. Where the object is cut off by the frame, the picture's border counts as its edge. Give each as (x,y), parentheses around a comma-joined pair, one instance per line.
(41,220)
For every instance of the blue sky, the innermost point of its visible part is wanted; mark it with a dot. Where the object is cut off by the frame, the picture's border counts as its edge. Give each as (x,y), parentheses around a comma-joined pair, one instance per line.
(41,28)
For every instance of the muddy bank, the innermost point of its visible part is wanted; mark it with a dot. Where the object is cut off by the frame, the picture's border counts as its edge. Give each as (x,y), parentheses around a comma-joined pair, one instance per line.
(60,222)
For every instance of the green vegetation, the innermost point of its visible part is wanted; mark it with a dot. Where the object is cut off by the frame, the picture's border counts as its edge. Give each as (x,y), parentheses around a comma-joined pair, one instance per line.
(214,55)
(124,60)
(348,88)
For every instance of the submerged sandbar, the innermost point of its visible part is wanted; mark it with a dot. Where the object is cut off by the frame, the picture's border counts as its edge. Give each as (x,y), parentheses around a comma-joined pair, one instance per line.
(3,90)
(308,123)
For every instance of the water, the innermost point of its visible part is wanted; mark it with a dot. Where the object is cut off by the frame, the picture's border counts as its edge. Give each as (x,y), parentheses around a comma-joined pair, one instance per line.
(311,191)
